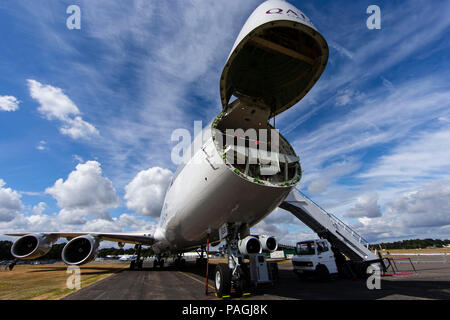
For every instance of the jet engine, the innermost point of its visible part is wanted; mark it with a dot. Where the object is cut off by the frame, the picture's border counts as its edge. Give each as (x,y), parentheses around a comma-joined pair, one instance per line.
(31,246)
(80,250)
(268,243)
(249,245)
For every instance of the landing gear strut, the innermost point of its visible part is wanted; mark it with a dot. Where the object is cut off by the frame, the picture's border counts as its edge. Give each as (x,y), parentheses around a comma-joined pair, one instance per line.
(201,261)
(180,262)
(158,262)
(137,264)
(233,274)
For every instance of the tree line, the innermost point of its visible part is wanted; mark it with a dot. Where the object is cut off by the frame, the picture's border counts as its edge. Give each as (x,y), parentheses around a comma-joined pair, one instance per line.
(412,244)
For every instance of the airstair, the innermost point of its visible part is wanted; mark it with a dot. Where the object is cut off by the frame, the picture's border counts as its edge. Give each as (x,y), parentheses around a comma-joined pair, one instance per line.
(329,227)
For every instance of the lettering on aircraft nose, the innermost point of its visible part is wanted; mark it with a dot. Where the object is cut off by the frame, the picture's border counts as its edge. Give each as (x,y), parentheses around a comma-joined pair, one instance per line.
(288,12)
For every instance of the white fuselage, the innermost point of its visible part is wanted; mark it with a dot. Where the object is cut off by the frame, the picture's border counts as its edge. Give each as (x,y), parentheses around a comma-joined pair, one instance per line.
(204,194)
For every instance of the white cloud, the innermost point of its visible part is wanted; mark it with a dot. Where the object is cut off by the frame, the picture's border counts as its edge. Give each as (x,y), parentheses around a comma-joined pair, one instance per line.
(387,83)
(41,146)
(77,128)
(9,103)
(136,223)
(318,186)
(77,158)
(84,192)
(425,155)
(366,206)
(423,211)
(348,96)
(318,179)
(10,203)
(40,207)
(145,193)
(343,51)
(55,105)
(426,207)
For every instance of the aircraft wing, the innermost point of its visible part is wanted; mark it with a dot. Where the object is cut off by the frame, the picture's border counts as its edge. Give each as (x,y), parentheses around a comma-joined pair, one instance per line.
(131,237)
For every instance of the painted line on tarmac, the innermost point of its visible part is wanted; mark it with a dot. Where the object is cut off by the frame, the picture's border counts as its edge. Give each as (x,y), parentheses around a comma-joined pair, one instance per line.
(195,279)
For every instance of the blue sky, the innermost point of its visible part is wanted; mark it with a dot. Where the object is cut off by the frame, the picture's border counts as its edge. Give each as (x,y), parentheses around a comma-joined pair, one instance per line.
(86,115)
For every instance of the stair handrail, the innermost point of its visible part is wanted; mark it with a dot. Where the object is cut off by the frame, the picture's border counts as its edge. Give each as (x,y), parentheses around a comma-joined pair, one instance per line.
(339,221)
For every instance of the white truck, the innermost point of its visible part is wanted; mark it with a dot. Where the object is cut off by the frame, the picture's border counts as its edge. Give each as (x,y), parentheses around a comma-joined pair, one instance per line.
(314,258)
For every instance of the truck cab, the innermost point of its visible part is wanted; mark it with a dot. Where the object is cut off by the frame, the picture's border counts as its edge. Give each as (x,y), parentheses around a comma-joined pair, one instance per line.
(314,258)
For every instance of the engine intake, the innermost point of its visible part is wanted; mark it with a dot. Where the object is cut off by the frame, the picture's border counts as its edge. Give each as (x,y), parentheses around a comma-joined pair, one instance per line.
(80,250)
(268,243)
(31,246)
(249,245)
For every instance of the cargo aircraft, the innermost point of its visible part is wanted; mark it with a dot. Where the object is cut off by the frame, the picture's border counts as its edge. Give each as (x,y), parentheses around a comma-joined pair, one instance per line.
(277,58)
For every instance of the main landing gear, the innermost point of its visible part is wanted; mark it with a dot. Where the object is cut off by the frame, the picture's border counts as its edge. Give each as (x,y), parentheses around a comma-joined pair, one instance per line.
(234,275)
(201,260)
(158,262)
(138,263)
(179,261)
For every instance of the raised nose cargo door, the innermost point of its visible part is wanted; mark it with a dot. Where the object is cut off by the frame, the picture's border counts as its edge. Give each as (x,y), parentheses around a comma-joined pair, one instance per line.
(276,59)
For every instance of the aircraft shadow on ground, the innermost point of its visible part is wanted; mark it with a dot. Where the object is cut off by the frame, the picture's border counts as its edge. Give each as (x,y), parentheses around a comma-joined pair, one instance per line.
(90,271)
(290,287)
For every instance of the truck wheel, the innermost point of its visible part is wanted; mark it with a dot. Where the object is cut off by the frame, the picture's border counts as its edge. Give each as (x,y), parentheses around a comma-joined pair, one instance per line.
(322,273)
(222,277)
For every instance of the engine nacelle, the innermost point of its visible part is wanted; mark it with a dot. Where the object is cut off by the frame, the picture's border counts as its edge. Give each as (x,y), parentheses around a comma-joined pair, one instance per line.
(268,243)
(249,245)
(80,250)
(31,246)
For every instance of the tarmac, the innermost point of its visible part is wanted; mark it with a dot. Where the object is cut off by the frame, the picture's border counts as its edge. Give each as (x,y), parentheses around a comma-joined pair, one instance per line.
(431,281)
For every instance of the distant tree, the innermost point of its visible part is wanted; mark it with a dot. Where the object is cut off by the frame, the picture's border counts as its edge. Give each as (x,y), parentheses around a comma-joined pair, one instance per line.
(412,244)
(55,252)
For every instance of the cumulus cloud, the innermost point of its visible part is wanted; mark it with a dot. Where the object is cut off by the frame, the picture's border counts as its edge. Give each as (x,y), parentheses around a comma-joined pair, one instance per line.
(426,207)
(366,206)
(9,103)
(131,221)
(145,193)
(424,211)
(55,105)
(77,128)
(39,208)
(84,192)
(10,203)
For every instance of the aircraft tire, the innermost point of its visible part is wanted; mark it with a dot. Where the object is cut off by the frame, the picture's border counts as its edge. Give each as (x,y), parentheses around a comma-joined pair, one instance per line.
(222,280)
